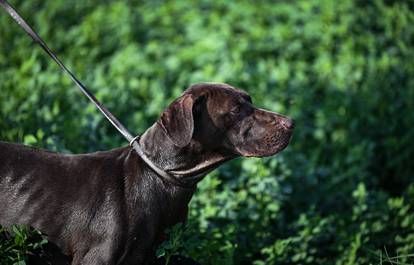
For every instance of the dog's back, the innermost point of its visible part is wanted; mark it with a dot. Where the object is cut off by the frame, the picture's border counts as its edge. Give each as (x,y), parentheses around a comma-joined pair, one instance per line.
(39,187)
(21,181)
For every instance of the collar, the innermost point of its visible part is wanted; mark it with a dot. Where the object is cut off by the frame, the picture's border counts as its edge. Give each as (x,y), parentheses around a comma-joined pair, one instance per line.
(188,182)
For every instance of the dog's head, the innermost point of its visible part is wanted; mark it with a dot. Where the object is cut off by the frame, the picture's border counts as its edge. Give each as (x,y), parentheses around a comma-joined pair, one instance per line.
(223,117)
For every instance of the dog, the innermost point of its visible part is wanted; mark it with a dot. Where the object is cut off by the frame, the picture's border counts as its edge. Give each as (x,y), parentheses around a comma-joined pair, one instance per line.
(111,208)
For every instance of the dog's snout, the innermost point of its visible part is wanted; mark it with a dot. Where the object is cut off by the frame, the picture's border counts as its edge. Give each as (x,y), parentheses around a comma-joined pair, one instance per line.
(288,123)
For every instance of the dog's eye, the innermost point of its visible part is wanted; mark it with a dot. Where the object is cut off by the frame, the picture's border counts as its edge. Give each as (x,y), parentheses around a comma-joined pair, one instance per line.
(235,110)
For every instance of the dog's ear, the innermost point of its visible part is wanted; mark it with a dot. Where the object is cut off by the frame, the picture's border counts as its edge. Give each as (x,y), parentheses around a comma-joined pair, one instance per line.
(178,121)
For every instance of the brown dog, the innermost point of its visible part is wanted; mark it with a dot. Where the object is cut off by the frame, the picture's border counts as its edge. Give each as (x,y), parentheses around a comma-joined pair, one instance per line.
(110,207)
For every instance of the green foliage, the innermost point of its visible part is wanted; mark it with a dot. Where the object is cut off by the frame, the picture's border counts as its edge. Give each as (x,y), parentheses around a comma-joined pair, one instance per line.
(341,193)
(17,245)
(173,245)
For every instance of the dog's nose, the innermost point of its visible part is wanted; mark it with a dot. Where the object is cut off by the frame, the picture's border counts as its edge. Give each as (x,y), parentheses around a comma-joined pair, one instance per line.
(288,123)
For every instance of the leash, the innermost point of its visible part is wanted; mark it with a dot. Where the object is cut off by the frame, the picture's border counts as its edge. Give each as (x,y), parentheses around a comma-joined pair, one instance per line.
(133,141)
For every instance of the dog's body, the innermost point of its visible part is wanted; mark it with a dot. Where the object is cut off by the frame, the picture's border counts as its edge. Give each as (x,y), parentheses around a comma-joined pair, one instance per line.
(109,201)
(110,207)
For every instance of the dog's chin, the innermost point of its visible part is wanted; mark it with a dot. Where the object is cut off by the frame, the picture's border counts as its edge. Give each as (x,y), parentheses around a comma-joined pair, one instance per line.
(265,149)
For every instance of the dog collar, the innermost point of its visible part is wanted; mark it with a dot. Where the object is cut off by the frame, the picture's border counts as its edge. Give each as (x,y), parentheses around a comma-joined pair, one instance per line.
(189,182)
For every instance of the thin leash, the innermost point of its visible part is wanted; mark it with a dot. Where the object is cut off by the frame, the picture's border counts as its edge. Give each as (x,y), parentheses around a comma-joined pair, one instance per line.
(133,141)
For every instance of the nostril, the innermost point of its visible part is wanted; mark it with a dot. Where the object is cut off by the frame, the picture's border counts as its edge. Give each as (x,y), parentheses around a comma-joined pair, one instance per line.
(288,123)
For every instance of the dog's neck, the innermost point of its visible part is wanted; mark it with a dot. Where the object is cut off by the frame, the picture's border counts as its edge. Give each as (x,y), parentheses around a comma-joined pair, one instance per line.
(185,162)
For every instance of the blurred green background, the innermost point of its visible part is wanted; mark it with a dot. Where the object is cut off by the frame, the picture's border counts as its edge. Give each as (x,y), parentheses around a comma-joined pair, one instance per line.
(341,193)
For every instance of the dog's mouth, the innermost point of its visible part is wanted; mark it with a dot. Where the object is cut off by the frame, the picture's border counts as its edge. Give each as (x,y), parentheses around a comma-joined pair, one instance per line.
(270,144)
(261,134)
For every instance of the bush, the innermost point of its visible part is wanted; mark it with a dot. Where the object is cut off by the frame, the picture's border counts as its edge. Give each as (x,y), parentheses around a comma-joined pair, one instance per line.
(18,244)
(342,192)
